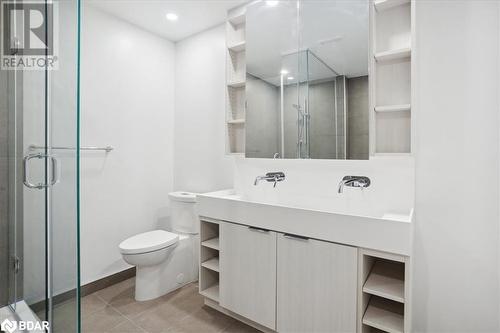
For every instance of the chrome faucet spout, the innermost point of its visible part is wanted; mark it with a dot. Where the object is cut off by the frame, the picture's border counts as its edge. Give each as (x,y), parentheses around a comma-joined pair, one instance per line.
(258,179)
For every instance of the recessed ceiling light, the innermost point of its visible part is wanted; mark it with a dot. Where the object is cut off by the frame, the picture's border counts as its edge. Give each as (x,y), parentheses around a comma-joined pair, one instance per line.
(284,72)
(272,3)
(290,78)
(172,17)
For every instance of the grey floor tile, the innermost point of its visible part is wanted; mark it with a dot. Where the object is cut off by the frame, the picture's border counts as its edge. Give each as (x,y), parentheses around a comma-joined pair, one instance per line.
(127,327)
(126,304)
(91,304)
(239,327)
(160,319)
(114,309)
(102,321)
(203,320)
(116,291)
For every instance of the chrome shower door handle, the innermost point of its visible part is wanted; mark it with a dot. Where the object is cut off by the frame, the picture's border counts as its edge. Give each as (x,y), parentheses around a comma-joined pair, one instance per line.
(26,182)
(55,171)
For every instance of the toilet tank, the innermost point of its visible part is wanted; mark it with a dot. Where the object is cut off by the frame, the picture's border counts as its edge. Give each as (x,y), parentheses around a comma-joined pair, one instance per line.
(184,217)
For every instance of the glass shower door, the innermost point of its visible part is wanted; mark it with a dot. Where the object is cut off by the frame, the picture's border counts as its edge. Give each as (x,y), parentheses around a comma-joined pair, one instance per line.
(42,169)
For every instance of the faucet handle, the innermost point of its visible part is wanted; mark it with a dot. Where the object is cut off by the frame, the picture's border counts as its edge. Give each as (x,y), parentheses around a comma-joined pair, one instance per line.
(354,181)
(272,177)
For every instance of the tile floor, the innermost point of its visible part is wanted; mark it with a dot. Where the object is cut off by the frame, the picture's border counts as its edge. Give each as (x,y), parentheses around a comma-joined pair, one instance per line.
(114,310)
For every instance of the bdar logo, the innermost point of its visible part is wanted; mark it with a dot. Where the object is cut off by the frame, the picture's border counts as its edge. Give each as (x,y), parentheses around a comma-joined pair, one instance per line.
(8,326)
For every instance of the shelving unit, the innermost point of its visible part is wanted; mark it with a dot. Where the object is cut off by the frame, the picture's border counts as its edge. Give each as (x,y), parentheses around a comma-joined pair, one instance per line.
(212,243)
(384,292)
(384,315)
(393,108)
(403,53)
(390,77)
(237,47)
(212,293)
(209,259)
(386,280)
(212,264)
(382,5)
(236,121)
(235,81)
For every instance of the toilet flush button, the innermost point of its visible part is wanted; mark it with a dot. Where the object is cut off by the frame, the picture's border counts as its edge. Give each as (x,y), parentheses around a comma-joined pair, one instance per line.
(180,278)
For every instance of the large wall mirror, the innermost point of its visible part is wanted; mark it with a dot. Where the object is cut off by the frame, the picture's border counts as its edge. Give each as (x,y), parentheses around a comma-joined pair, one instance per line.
(307,79)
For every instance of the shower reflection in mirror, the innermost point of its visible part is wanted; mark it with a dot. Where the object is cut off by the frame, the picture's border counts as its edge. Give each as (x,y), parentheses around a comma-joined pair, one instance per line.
(307,80)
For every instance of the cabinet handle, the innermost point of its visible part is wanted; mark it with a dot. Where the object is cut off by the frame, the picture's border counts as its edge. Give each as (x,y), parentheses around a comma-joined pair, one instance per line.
(295,237)
(258,229)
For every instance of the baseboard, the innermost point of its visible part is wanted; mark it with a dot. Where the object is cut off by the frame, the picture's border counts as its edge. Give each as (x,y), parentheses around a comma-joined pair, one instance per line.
(87,289)
(107,281)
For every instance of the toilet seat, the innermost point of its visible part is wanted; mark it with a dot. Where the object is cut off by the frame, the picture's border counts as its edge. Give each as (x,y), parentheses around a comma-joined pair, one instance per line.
(148,242)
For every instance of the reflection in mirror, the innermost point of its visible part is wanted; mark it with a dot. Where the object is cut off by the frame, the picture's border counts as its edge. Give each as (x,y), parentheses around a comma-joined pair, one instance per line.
(307,79)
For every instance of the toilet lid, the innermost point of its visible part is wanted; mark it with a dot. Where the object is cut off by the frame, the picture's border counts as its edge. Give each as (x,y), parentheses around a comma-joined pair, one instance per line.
(148,241)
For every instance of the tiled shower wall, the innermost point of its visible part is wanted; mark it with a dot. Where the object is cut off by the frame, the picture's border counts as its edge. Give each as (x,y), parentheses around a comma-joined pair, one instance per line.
(357,118)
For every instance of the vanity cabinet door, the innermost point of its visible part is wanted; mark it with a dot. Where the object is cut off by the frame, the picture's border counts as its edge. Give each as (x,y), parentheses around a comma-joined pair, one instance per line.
(317,284)
(248,273)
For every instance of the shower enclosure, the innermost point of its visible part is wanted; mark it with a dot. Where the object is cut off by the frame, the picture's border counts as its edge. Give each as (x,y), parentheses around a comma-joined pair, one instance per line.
(296,86)
(314,122)
(303,108)
(39,183)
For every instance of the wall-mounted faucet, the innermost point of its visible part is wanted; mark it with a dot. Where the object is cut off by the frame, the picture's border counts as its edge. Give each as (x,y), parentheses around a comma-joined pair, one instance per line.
(354,181)
(272,177)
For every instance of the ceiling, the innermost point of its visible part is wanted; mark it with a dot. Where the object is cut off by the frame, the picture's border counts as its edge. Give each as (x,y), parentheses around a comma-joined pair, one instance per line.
(194,15)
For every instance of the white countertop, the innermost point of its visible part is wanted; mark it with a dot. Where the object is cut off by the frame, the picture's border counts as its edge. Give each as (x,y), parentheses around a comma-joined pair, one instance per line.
(390,231)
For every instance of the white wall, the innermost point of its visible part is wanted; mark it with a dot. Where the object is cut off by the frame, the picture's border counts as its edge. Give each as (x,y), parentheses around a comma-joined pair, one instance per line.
(457,165)
(200,162)
(127,102)
(313,184)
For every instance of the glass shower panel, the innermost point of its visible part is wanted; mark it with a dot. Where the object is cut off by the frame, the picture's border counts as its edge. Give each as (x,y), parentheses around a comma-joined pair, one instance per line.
(272,79)
(39,115)
(323,39)
(34,222)
(325,110)
(63,205)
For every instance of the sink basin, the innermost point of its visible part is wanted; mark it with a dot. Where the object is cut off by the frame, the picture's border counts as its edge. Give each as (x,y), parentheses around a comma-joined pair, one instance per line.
(383,231)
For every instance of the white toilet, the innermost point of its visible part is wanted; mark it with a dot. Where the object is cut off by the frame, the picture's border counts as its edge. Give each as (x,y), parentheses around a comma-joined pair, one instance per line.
(166,260)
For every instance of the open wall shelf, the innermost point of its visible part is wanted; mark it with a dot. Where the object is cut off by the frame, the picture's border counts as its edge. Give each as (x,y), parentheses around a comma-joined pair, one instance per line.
(393,28)
(235,108)
(391,76)
(236,68)
(235,81)
(404,53)
(382,5)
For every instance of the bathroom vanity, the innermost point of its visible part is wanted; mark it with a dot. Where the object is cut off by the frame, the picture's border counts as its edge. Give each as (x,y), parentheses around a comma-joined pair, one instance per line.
(281,268)
(329,80)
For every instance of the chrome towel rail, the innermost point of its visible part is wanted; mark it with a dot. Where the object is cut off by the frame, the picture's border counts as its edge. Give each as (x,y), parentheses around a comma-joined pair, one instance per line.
(107,149)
